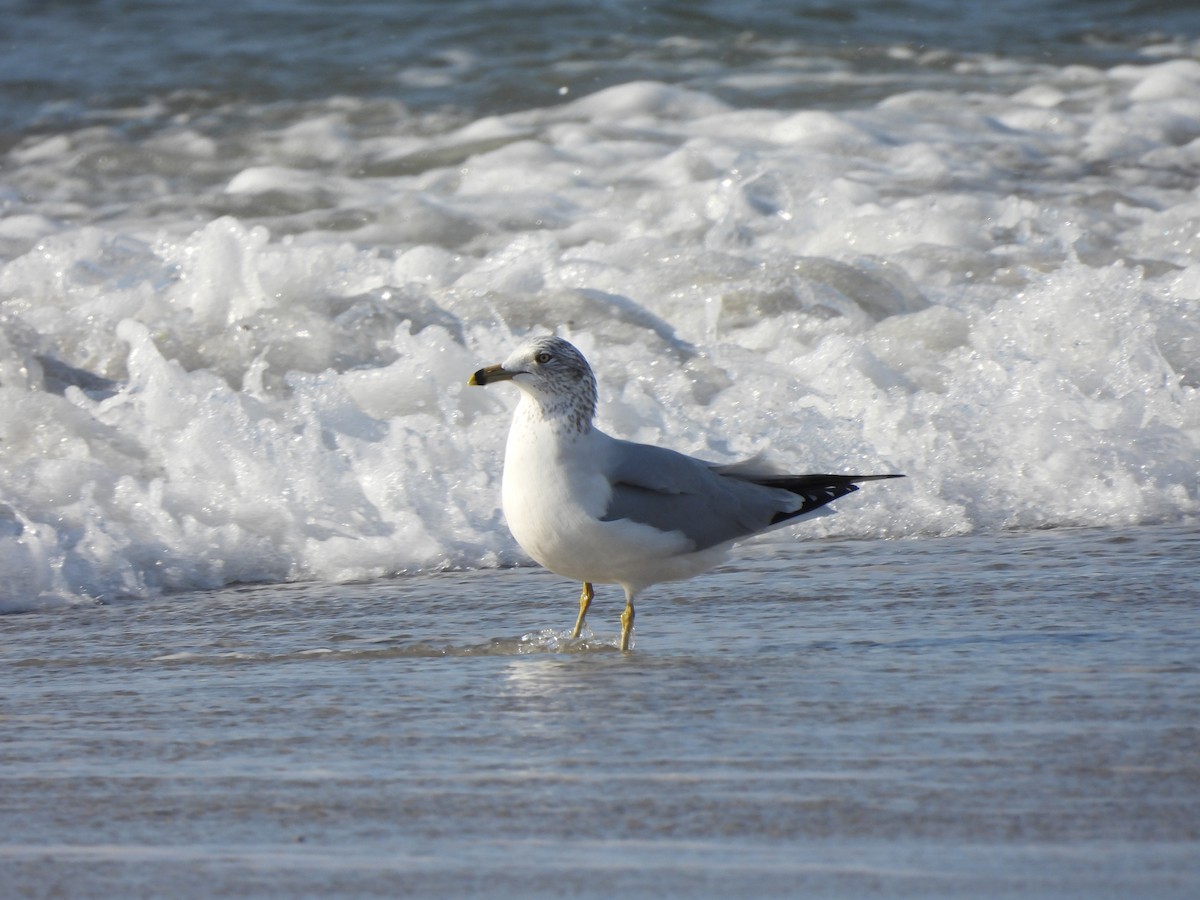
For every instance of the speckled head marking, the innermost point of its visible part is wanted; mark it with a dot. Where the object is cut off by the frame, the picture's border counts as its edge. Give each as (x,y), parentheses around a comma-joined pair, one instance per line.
(553,374)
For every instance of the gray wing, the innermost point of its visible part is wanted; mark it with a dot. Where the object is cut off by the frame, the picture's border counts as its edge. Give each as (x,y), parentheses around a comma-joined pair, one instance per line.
(713,504)
(673,492)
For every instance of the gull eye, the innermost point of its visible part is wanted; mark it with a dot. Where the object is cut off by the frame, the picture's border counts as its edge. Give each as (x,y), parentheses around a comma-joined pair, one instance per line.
(543,358)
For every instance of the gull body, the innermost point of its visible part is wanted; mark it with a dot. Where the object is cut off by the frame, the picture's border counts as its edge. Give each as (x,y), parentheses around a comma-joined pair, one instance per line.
(596,509)
(557,490)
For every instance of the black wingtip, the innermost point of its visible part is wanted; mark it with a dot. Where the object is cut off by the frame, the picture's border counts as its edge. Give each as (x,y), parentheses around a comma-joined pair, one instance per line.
(817,490)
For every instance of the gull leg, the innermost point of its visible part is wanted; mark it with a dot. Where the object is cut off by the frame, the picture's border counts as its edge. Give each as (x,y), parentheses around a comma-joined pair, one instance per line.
(585,600)
(627,622)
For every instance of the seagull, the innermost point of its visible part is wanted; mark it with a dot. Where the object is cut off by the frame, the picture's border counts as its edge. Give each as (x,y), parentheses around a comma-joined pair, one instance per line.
(600,510)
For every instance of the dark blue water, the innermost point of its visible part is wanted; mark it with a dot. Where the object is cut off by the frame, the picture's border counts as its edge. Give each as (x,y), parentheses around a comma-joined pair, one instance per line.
(61,60)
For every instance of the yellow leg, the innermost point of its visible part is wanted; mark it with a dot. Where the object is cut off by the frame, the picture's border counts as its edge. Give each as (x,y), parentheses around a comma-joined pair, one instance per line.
(626,623)
(585,600)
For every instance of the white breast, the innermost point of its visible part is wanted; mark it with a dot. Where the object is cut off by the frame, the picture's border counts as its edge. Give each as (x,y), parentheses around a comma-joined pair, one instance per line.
(554,493)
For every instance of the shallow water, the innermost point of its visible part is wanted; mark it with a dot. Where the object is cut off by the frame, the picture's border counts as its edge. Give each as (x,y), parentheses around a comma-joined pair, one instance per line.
(986,716)
(249,254)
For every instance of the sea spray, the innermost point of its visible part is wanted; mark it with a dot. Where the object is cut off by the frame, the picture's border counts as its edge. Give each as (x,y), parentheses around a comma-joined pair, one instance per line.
(252,368)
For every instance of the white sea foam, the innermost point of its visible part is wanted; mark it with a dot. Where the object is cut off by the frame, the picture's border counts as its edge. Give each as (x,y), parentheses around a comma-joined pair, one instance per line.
(236,349)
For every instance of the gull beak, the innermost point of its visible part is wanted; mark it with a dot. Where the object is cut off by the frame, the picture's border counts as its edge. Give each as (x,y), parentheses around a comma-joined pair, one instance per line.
(488,374)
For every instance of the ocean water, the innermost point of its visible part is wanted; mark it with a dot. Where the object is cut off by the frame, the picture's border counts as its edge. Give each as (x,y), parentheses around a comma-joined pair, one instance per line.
(266,629)
(980,716)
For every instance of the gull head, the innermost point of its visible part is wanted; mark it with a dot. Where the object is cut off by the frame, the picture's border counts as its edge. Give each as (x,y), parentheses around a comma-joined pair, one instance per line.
(553,374)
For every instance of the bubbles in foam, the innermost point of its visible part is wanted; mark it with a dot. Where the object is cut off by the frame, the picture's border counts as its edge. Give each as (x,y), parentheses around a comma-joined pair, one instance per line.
(994,293)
